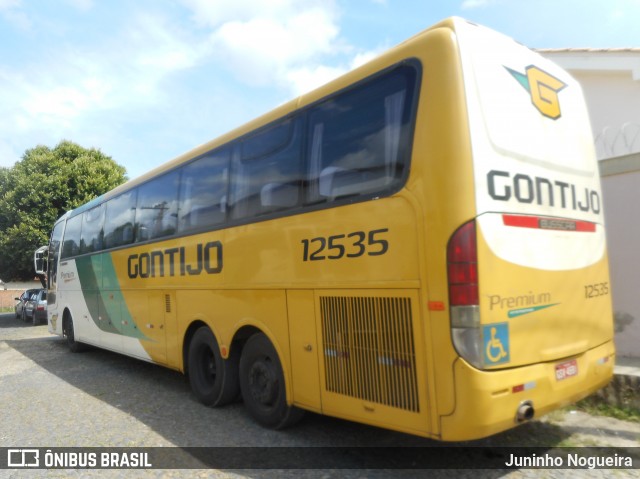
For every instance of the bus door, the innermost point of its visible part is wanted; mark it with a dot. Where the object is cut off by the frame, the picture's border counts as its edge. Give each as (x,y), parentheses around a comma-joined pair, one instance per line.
(52,278)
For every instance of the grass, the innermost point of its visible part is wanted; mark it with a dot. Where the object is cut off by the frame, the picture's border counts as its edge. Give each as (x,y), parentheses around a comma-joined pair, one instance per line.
(599,408)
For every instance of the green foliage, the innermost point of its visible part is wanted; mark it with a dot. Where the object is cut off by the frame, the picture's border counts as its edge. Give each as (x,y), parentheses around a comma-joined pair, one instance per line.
(39,189)
(595,406)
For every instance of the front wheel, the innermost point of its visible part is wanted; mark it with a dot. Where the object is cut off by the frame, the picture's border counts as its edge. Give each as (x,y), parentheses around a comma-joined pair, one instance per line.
(262,385)
(214,380)
(68,334)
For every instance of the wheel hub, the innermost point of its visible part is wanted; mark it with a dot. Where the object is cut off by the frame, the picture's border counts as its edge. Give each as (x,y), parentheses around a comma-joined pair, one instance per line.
(263,383)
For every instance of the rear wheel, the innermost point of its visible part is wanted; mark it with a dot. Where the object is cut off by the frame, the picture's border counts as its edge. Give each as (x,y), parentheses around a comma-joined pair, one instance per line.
(68,334)
(262,385)
(214,380)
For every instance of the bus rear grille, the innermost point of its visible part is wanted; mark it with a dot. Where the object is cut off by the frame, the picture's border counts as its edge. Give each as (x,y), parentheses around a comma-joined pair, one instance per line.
(369,349)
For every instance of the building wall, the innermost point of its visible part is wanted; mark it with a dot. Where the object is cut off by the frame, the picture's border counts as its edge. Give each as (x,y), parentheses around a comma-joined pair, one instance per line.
(621,194)
(613,99)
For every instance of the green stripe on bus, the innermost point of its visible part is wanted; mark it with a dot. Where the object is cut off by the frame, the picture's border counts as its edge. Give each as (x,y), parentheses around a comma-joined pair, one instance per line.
(107,307)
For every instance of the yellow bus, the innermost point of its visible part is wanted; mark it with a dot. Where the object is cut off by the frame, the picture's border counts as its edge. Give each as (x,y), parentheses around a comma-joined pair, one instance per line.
(418,245)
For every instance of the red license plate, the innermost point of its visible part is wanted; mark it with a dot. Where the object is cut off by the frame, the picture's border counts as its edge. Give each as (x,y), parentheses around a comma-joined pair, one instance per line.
(566,370)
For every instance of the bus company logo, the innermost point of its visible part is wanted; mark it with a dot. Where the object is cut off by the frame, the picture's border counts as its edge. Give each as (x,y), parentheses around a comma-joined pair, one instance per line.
(68,276)
(19,458)
(543,89)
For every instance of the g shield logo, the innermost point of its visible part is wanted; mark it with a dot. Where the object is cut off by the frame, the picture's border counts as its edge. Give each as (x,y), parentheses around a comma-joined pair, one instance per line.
(543,89)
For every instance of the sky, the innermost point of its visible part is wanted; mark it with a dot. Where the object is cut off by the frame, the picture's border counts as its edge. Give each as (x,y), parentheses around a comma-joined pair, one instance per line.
(147,80)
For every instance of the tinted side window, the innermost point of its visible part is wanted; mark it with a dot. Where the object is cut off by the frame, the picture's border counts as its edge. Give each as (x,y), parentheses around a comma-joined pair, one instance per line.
(157,210)
(118,224)
(71,243)
(92,238)
(203,192)
(358,140)
(267,172)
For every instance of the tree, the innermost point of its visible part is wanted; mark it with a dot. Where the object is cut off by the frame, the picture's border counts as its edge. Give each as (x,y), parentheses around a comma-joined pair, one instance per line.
(39,189)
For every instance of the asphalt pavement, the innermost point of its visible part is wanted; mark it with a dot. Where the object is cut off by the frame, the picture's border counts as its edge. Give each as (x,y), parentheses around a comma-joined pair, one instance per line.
(51,398)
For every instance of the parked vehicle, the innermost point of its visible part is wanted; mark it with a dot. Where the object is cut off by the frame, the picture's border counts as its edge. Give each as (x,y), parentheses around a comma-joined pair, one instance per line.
(22,300)
(36,307)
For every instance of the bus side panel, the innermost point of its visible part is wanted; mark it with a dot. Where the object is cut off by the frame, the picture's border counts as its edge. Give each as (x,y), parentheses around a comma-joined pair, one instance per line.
(442,181)
(147,311)
(371,358)
(227,311)
(303,339)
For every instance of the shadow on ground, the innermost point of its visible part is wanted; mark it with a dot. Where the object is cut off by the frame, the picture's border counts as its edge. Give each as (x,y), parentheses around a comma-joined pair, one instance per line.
(161,399)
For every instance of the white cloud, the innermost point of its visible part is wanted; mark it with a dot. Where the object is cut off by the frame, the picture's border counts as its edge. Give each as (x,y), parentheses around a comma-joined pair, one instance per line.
(11,11)
(364,57)
(77,89)
(127,70)
(471,4)
(82,5)
(54,93)
(265,50)
(9,4)
(305,79)
(295,44)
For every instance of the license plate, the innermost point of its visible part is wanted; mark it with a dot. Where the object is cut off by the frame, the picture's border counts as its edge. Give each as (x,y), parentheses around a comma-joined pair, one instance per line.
(566,370)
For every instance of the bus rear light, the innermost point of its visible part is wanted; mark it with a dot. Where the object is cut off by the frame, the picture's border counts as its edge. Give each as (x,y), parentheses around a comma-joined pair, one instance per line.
(463,294)
(464,300)
(463,273)
(462,245)
(462,266)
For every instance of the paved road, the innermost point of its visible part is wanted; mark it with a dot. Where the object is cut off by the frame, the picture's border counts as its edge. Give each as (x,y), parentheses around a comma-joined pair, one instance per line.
(50,397)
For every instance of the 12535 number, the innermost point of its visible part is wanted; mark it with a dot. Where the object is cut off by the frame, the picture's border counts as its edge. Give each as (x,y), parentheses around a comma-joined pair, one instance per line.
(350,245)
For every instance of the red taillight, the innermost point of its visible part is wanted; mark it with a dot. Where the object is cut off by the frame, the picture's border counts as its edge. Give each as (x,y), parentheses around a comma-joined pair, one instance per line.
(462,266)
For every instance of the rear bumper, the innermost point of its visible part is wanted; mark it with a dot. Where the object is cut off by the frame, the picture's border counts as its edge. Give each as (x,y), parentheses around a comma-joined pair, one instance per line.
(486,401)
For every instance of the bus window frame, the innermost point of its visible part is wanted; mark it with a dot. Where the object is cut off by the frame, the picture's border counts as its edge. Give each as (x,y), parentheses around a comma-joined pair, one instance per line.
(301,115)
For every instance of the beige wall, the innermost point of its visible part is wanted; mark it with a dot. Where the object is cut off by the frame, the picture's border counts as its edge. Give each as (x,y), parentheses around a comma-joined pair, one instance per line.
(613,99)
(621,197)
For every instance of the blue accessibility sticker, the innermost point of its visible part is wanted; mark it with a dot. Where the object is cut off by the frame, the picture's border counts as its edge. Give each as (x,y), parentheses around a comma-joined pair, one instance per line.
(496,343)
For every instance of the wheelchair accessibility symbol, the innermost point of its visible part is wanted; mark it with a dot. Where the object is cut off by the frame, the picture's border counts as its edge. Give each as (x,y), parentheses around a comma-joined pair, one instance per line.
(496,343)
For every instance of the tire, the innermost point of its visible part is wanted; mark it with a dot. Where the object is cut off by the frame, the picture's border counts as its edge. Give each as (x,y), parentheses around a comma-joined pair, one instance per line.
(213,379)
(68,334)
(262,385)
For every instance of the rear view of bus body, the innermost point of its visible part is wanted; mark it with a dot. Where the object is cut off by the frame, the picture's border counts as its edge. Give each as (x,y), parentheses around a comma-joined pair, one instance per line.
(529,293)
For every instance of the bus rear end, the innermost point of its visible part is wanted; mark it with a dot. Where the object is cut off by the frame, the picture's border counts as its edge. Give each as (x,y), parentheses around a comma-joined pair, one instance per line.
(529,292)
